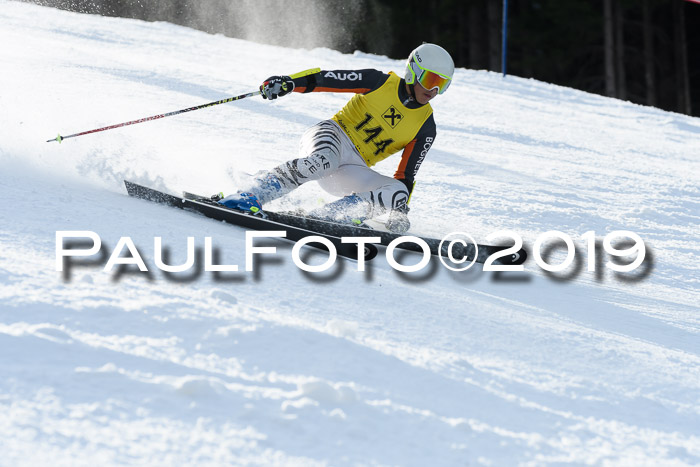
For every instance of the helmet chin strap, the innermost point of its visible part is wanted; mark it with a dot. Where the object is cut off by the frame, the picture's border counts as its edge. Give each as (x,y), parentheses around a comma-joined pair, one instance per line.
(411,93)
(412,89)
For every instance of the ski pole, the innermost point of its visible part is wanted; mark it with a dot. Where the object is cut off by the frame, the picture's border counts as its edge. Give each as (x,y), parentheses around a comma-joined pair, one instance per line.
(60,138)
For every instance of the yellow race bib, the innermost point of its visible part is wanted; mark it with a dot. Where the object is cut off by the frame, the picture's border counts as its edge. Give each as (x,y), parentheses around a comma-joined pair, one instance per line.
(378,123)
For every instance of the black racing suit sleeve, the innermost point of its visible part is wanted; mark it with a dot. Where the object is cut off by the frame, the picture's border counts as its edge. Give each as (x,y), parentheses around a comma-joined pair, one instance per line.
(414,153)
(355,81)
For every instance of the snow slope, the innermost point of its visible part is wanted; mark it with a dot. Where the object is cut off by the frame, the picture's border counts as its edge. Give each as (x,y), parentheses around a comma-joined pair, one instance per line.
(278,366)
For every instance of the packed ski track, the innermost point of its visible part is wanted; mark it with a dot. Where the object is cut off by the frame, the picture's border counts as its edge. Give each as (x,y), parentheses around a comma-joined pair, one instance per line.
(282,367)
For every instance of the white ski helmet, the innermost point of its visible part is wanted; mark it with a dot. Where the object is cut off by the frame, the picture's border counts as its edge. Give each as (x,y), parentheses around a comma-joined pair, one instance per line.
(431,66)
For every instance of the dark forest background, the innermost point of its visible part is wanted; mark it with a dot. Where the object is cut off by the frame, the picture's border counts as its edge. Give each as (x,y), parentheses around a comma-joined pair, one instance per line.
(644,51)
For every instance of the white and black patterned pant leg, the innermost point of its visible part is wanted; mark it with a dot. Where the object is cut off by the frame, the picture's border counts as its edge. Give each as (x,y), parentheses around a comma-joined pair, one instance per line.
(381,193)
(327,155)
(319,156)
(319,153)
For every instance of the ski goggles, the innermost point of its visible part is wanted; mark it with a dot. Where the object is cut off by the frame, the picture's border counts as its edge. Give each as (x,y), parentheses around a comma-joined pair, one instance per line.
(430,79)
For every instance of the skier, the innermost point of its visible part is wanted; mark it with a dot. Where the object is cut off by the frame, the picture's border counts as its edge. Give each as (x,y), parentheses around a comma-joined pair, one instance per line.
(386,114)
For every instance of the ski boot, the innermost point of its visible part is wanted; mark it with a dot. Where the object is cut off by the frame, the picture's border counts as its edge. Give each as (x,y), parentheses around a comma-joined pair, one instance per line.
(351,210)
(245,202)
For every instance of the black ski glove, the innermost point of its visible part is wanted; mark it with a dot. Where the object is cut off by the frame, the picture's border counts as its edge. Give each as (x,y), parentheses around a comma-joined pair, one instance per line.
(276,86)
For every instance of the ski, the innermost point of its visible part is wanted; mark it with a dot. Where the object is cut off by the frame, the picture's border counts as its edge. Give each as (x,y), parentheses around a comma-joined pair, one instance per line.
(231,216)
(459,251)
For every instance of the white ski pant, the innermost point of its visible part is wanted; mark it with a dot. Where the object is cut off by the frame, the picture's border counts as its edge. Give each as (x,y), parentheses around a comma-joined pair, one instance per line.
(328,156)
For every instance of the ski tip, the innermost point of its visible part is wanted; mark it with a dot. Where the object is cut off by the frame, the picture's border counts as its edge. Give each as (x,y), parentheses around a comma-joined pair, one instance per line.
(370,252)
(517,258)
